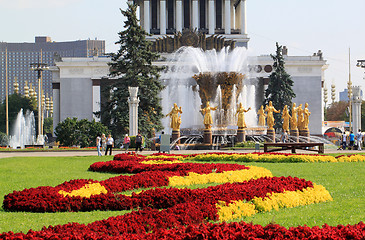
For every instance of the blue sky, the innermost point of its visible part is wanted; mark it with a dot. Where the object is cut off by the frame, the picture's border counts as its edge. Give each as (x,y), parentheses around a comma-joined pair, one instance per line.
(332,26)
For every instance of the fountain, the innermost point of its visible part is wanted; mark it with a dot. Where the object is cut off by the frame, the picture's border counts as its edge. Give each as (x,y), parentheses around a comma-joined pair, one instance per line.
(194,77)
(23,131)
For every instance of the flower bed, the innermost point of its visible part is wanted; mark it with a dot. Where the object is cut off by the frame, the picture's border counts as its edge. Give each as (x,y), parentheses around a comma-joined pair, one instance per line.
(172,212)
(269,157)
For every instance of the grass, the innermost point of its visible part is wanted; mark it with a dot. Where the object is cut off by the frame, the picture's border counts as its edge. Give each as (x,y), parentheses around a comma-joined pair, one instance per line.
(343,180)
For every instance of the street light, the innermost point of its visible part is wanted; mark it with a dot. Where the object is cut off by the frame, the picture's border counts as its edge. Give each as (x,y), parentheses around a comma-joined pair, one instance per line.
(39,68)
(360,63)
(349,94)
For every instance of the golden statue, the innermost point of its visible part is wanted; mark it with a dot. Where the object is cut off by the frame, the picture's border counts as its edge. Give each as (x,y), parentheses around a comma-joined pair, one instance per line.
(286,117)
(241,117)
(208,121)
(270,109)
(262,116)
(306,117)
(174,117)
(300,117)
(294,118)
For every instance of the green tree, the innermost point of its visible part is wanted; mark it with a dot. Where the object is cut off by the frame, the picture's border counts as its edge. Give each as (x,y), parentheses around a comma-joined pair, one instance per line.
(16,102)
(133,65)
(338,111)
(279,90)
(48,125)
(79,132)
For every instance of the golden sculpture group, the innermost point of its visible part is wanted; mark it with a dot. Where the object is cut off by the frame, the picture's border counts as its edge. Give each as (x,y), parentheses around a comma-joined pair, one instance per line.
(299,119)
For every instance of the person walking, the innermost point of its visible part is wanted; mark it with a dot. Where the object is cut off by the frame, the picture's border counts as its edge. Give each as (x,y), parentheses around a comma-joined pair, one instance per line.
(284,137)
(103,142)
(109,145)
(352,140)
(344,138)
(359,137)
(139,141)
(126,142)
(98,144)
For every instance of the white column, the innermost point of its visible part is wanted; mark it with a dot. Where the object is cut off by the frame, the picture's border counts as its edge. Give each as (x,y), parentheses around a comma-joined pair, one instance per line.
(56,108)
(227,16)
(195,14)
(211,13)
(163,17)
(146,17)
(232,15)
(133,101)
(141,15)
(356,109)
(96,101)
(179,16)
(243,17)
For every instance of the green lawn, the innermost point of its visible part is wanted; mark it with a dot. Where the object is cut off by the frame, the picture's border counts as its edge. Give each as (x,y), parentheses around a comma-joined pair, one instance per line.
(345,182)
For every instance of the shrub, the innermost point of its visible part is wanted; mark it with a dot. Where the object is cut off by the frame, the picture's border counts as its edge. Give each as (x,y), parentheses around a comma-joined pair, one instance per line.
(79,132)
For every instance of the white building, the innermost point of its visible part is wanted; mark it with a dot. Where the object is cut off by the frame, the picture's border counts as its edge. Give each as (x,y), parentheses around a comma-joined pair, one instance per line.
(76,87)
(76,81)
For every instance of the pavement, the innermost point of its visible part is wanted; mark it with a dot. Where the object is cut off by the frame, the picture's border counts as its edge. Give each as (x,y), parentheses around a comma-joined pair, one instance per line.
(72,153)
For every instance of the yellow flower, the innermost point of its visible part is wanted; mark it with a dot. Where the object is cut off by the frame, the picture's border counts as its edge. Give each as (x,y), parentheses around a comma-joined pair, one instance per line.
(227,176)
(290,199)
(86,191)
(159,161)
(234,210)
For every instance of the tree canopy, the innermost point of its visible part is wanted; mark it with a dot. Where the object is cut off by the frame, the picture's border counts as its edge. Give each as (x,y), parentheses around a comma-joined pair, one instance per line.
(279,90)
(79,132)
(132,67)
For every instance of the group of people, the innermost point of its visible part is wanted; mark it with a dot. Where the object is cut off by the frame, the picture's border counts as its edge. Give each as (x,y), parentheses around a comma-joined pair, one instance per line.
(351,140)
(107,143)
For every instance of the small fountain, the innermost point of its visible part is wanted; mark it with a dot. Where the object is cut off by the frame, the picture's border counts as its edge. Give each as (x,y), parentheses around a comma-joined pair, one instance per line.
(23,131)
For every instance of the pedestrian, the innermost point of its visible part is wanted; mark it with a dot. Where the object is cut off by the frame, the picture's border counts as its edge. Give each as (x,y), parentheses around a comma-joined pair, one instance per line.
(344,138)
(109,145)
(359,137)
(98,144)
(126,142)
(159,139)
(103,142)
(284,137)
(352,140)
(139,142)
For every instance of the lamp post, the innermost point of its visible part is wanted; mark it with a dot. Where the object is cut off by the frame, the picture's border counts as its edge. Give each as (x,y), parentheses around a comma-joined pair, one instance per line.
(349,94)
(360,63)
(333,93)
(39,68)
(325,96)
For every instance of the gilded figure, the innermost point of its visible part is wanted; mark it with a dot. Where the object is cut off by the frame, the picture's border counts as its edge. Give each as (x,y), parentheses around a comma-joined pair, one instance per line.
(262,116)
(286,119)
(270,109)
(175,119)
(208,121)
(306,114)
(300,117)
(241,117)
(294,118)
